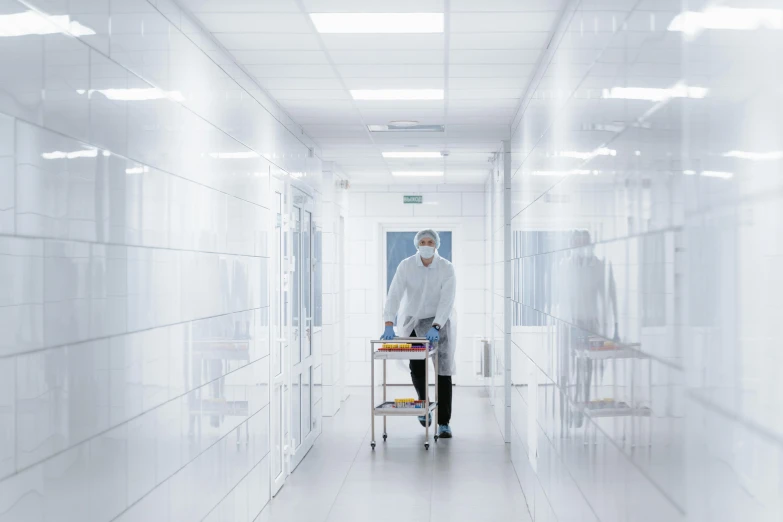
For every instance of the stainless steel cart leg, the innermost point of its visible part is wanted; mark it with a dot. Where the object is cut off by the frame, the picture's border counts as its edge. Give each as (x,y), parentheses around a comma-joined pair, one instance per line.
(384,399)
(372,394)
(437,399)
(427,400)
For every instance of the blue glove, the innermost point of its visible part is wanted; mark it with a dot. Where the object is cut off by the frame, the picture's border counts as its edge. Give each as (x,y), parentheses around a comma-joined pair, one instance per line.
(388,334)
(433,336)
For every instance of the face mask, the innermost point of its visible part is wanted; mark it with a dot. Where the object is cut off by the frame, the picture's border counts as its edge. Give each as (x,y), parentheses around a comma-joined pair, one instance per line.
(426,252)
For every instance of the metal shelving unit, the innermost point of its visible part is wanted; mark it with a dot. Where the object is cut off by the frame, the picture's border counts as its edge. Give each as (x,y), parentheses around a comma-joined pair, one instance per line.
(383,410)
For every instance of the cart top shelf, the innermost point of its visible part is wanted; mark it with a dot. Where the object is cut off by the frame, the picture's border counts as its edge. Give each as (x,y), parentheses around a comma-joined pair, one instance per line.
(418,340)
(405,356)
(411,355)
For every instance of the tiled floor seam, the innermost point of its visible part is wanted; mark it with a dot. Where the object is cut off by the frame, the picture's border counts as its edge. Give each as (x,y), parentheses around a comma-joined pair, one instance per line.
(347,473)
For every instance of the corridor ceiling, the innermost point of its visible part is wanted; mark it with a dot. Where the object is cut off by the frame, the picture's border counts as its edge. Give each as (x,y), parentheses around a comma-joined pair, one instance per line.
(483,60)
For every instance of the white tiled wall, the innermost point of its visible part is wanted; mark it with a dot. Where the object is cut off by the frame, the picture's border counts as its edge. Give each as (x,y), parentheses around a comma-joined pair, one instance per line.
(676,417)
(133,270)
(459,208)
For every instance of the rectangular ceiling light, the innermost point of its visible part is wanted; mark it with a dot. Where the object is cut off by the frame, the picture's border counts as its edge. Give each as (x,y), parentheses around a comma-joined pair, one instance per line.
(135,94)
(397,94)
(727,18)
(573,172)
(84,153)
(417,174)
(31,23)
(680,90)
(602,151)
(234,155)
(717,174)
(377,23)
(412,155)
(755,156)
(406,128)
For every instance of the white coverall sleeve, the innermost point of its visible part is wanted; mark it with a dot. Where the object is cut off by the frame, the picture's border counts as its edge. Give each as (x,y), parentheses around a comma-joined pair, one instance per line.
(394,298)
(446,303)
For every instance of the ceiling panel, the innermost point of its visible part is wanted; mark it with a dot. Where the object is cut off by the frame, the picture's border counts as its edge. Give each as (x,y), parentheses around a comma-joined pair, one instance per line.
(506,5)
(291,71)
(383,116)
(480,94)
(487,83)
(240,6)
(259,41)
(286,23)
(530,40)
(388,42)
(502,22)
(391,71)
(393,83)
(490,71)
(479,103)
(281,57)
(493,48)
(336,131)
(334,107)
(401,106)
(315,97)
(373,6)
(299,83)
(499,56)
(393,56)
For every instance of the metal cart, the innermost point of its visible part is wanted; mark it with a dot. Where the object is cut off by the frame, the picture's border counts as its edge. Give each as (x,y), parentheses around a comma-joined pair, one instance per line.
(384,409)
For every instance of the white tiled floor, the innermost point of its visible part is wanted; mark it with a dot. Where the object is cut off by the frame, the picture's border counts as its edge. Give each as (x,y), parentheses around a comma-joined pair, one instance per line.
(467,478)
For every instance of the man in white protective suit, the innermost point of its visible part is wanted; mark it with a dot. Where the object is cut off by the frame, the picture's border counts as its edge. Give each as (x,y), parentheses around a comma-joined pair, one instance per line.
(428,284)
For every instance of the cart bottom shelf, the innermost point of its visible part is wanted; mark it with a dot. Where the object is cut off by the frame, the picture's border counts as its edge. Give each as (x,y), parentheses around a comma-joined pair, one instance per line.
(385,410)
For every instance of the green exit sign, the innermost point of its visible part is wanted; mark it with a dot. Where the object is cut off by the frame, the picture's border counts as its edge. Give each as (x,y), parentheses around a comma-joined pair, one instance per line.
(413,200)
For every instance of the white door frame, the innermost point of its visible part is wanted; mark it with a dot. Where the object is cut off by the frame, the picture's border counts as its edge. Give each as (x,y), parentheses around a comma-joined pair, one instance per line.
(302,204)
(280,336)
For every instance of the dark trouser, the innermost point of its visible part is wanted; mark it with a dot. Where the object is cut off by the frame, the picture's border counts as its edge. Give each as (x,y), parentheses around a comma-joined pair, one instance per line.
(444,388)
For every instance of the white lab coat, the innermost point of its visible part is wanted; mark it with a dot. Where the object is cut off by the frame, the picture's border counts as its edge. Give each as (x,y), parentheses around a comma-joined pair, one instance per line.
(429,294)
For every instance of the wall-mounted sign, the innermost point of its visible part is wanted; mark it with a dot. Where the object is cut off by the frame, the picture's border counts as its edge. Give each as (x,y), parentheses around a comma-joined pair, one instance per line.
(413,200)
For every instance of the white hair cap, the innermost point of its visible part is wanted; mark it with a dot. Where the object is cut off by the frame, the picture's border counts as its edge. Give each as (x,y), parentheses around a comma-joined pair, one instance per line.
(427,232)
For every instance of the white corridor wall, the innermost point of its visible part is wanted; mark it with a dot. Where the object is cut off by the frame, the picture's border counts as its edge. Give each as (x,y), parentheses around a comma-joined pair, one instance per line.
(645,268)
(135,164)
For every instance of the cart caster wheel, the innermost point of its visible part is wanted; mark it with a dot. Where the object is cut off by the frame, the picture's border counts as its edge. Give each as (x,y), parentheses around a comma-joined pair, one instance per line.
(426,445)
(436,438)
(373,445)
(385,437)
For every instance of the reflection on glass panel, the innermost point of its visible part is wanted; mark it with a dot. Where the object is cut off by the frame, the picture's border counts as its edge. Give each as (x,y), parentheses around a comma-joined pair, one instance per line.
(278,286)
(307,274)
(307,401)
(653,279)
(217,346)
(277,440)
(318,290)
(296,286)
(296,411)
(287,276)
